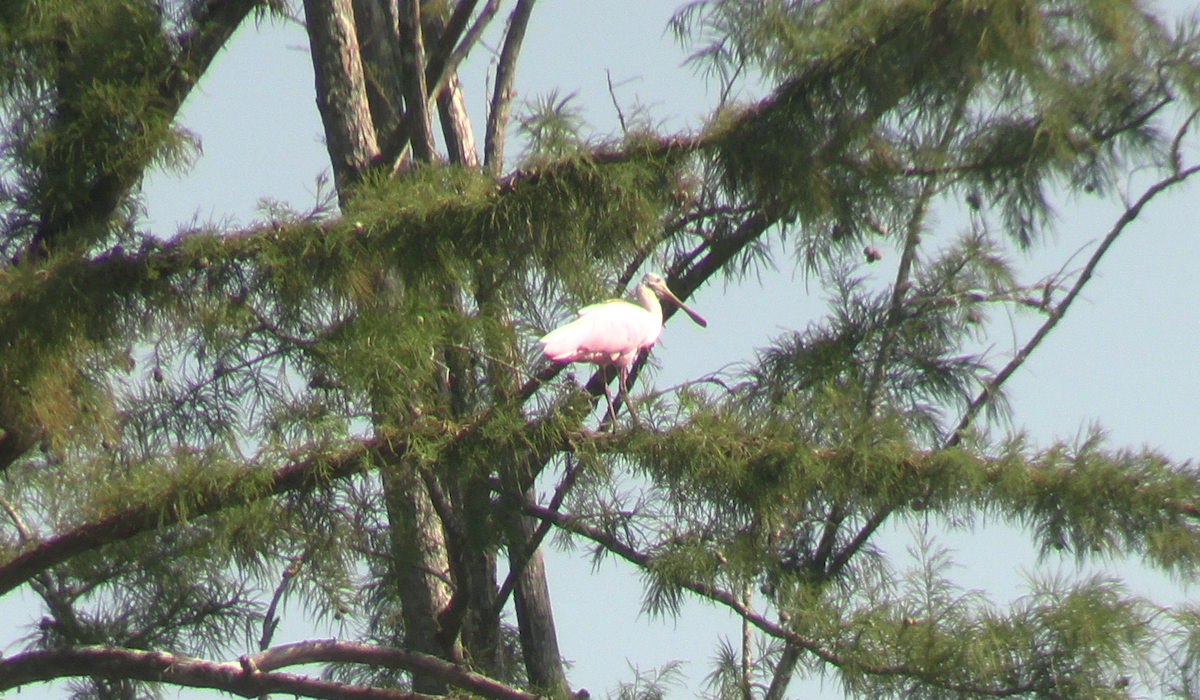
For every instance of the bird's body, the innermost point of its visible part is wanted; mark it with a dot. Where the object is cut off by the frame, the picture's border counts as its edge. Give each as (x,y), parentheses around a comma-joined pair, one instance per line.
(614,332)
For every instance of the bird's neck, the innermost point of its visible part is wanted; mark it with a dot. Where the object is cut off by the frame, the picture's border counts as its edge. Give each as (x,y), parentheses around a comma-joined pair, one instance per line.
(649,300)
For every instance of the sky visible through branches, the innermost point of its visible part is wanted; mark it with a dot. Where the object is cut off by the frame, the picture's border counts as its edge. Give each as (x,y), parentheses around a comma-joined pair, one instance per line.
(1122,359)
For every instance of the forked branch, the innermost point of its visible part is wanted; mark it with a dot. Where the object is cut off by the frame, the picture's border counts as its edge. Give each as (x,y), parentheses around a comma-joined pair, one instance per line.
(1056,313)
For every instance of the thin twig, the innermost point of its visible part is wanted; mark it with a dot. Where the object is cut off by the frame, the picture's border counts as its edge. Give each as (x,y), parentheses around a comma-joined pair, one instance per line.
(992,388)
(912,239)
(612,93)
(271,620)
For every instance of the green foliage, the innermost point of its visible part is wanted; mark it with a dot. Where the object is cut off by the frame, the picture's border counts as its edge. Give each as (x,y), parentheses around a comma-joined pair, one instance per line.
(874,95)
(551,125)
(386,355)
(82,90)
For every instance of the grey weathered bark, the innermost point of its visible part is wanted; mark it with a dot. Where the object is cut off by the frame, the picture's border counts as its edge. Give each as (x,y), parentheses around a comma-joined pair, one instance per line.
(456,125)
(535,616)
(341,88)
(422,567)
(456,41)
(783,673)
(416,92)
(379,42)
(481,628)
(506,71)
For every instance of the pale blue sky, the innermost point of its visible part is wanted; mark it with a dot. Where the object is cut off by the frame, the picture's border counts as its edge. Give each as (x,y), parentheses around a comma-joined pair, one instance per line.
(1124,356)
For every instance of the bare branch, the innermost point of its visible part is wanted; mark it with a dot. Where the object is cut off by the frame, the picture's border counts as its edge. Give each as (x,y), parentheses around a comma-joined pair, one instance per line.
(450,34)
(160,667)
(783,673)
(612,94)
(732,602)
(912,238)
(843,557)
(270,619)
(1127,217)
(334,651)
(539,534)
(212,23)
(456,125)
(747,669)
(506,72)
(416,93)
(438,76)
(633,556)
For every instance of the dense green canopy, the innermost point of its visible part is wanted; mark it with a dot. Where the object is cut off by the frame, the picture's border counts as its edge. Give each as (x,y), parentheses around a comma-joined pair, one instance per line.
(347,405)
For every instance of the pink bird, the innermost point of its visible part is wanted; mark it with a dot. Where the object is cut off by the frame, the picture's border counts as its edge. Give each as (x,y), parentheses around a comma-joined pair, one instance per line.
(614,332)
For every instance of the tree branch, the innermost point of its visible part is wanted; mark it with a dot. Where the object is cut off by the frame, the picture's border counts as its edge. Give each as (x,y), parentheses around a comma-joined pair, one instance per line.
(506,70)
(437,79)
(334,651)
(843,557)
(730,601)
(416,92)
(1056,314)
(783,673)
(539,534)
(212,23)
(270,619)
(173,507)
(451,33)
(456,125)
(160,667)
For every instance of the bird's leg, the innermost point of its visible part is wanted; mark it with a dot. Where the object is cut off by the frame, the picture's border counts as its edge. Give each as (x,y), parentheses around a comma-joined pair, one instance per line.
(612,410)
(624,382)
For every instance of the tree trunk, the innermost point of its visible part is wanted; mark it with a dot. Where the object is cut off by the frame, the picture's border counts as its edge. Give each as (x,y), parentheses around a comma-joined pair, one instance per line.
(422,567)
(506,72)
(379,39)
(456,126)
(535,617)
(341,88)
(481,631)
(416,92)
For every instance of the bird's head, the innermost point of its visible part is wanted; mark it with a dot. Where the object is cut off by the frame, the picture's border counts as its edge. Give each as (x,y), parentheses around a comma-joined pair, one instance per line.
(658,285)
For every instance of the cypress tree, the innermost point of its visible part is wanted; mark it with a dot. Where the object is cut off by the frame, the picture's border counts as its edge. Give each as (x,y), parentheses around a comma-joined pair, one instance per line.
(348,406)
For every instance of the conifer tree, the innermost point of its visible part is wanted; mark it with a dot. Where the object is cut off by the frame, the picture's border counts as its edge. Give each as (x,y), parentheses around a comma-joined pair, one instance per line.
(348,405)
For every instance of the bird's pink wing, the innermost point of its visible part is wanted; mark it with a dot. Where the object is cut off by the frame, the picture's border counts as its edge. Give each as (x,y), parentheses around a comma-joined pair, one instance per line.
(600,334)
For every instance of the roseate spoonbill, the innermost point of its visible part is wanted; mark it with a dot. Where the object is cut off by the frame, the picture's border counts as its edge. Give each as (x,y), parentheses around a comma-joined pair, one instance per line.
(614,332)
